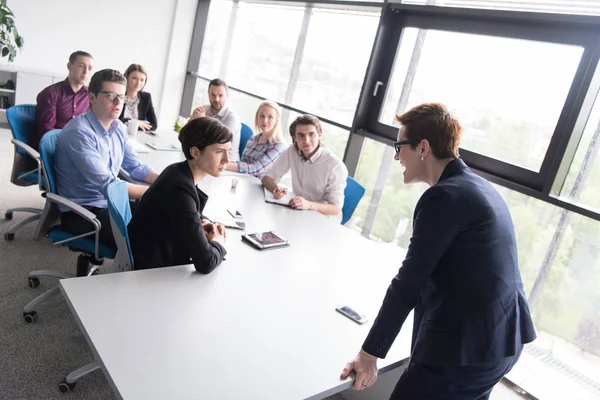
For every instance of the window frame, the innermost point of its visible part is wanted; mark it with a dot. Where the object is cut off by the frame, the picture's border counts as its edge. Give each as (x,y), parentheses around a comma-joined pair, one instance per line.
(577,30)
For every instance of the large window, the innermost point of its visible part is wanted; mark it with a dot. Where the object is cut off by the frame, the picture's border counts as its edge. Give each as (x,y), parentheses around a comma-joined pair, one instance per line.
(508,93)
(263,48)
(213,48)
(312,58)
(517,85)
(336,53)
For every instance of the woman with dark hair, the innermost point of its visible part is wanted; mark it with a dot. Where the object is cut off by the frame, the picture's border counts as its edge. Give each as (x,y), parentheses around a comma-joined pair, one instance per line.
(167,227)
(138,104)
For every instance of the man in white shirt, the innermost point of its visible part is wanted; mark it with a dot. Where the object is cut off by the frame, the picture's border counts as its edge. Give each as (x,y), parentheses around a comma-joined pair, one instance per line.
(318,175)
(218,92)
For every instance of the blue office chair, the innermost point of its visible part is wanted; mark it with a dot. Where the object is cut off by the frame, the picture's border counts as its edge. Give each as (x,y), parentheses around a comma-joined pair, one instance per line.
(245,134)
(353,192)
(120,215)
(26,169)
(92,252)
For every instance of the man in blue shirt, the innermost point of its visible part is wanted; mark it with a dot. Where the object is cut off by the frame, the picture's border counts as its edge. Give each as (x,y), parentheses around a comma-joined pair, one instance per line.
(90,151)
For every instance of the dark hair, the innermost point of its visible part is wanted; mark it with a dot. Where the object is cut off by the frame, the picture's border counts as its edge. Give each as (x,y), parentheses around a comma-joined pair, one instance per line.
(305,119)
(434,123)
(105,75)
(138,68)
(218,82)
(201,133)
(133,68)
(78,53)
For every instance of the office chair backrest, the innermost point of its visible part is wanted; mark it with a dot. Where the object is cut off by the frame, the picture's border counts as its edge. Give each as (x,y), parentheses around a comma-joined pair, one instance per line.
(120,215)
(245,134)
(353,192)
(21,119)
(47,150)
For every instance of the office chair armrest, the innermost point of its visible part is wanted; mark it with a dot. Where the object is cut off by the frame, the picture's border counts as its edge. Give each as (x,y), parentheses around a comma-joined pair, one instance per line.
(76,208)
(83,213)
(32,153)
(124,175)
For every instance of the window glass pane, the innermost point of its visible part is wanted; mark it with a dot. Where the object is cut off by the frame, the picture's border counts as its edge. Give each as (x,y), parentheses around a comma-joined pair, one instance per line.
(263,48)
(591,7)
(559,258)
(560,264)
(214,38)
(335,58)
(385,212)
(508,93)
(581,184)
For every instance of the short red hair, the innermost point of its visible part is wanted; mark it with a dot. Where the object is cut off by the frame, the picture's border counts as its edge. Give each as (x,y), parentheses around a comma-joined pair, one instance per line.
(434,123)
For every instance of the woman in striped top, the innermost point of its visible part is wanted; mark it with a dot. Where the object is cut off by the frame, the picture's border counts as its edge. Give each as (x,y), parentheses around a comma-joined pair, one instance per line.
(262,149)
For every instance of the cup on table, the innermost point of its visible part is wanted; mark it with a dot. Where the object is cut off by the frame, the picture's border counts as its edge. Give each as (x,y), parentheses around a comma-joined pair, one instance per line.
(132,128)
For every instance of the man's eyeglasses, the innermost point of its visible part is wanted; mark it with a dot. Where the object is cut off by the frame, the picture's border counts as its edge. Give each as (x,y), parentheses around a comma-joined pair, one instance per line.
(111,96)
(398,145)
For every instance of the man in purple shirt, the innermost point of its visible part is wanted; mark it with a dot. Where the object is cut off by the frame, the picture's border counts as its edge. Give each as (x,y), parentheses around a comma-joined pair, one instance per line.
(60,102)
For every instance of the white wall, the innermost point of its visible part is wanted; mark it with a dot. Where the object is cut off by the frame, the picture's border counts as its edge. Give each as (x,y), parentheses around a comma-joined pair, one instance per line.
(117,33)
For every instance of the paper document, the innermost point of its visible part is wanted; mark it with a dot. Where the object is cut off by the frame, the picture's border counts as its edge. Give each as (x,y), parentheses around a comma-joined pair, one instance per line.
(138,147)
(285,200)
(163,146)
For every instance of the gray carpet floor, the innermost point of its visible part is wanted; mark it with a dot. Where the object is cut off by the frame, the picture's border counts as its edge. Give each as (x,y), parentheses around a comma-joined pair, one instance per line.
(34,358)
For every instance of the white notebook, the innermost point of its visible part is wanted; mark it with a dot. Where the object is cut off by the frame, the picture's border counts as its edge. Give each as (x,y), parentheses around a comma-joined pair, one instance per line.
(285,200)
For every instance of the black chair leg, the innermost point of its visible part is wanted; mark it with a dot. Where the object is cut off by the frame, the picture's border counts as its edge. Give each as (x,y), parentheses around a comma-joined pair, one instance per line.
(83,264)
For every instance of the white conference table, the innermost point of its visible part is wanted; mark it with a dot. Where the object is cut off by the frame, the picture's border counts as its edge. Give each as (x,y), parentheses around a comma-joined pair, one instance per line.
(263,325)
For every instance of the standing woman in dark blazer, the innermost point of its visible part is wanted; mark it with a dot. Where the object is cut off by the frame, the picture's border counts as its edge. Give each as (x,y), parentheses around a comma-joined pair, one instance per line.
(460,275)
(138,104)
(167,227)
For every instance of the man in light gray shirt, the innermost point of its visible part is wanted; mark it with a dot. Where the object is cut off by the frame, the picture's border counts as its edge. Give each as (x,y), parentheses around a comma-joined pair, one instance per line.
(318,175)
(218,92)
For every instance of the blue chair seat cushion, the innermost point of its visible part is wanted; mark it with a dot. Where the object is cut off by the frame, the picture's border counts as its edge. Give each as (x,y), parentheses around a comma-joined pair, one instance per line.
(85,244)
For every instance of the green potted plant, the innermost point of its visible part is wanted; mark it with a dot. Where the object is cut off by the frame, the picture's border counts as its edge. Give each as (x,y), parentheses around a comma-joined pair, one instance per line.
(10,40)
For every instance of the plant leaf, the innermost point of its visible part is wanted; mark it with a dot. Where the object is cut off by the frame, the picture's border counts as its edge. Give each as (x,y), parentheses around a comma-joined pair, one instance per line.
(5,51)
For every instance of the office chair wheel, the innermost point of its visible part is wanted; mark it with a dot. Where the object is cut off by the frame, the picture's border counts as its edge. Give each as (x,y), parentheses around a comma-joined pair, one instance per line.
(8,216)
(33,282)
(9,236)
(30,317)
(66,387)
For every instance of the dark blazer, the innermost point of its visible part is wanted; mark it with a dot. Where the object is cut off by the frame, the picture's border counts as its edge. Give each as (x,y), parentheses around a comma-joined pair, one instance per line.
(145,110)
(461,276)
(166,227)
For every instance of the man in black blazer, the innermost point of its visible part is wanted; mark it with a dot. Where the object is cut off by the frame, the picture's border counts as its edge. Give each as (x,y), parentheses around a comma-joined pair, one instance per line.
(460,275)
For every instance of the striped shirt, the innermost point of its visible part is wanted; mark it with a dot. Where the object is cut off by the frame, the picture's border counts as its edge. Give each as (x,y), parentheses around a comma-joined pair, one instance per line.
(258,156)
